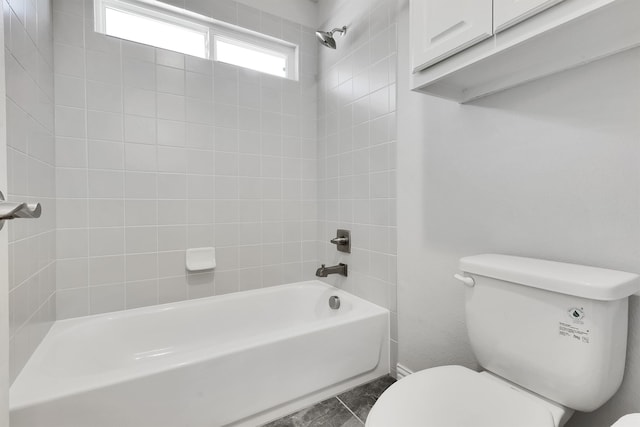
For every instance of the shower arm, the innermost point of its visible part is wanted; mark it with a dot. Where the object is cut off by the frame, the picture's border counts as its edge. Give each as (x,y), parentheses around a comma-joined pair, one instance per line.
(342,30)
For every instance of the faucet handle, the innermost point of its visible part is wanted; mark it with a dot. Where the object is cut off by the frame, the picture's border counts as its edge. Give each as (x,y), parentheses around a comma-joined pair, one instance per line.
(342,241)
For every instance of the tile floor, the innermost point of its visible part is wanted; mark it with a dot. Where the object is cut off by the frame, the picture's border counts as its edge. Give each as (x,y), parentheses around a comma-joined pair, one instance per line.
(349,409)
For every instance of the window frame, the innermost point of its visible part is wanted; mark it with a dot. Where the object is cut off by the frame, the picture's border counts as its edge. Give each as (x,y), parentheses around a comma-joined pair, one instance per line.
(147,10)
(251,46)
(213,30)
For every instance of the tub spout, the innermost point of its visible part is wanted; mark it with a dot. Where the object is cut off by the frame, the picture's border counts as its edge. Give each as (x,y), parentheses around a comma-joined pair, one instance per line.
(336,269)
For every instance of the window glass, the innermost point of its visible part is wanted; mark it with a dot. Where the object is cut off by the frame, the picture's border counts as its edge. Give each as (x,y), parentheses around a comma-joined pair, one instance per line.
(254,57)
(155,32)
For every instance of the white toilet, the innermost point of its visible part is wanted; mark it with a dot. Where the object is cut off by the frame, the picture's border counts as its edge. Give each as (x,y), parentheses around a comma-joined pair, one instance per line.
(551,337)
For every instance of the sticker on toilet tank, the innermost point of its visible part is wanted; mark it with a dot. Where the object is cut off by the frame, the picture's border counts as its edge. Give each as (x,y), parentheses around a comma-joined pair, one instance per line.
(575,332)
(574,328)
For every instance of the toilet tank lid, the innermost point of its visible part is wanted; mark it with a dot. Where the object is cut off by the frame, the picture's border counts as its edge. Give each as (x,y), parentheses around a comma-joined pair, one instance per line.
(571,279)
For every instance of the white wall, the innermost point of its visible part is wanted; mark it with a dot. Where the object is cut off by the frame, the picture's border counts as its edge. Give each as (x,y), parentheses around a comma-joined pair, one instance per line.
(548,170)
(331,11)
(301,11)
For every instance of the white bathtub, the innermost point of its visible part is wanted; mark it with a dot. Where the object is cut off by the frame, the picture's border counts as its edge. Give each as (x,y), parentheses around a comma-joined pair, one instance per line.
(239,359)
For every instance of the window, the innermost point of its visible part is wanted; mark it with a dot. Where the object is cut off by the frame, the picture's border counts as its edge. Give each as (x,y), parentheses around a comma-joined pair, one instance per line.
(153,27)
(249,56)
(168,27)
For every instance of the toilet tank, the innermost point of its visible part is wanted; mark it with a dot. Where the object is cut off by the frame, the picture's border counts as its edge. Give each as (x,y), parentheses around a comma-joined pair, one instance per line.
(559,330)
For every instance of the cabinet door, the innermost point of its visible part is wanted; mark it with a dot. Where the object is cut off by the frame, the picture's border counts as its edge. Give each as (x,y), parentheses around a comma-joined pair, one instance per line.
(441,28)
(509,12)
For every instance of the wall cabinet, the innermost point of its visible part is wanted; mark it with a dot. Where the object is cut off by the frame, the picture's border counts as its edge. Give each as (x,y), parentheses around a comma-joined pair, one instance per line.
(466,49)
(509,12)
(441,28)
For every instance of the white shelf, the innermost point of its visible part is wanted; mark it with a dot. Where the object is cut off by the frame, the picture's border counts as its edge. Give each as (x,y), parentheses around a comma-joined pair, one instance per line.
(568,35)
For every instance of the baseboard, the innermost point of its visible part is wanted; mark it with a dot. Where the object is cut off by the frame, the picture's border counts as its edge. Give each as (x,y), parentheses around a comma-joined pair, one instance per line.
(402,371)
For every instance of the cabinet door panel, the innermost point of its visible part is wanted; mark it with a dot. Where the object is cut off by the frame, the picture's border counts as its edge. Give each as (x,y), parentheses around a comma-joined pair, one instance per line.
(441,28)
(510,12)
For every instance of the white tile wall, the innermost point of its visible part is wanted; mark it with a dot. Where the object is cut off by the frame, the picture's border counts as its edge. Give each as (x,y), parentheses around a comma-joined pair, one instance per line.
(159,152)
(31,172)
(356,151)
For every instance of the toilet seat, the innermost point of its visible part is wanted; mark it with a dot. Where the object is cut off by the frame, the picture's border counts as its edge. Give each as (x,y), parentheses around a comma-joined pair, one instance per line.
(454,396)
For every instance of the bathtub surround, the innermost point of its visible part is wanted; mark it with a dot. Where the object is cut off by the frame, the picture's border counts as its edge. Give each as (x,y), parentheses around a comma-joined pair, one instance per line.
(549,169)
(356,149)
(158,152)
(28,60)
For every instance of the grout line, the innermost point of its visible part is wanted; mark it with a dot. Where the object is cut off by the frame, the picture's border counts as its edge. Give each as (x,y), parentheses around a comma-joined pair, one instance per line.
(349,409)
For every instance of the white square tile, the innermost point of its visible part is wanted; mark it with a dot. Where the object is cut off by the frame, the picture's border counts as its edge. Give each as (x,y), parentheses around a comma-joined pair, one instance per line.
(140,185)
(141,267)
(71,273)
(105,126)
(71,213)
(171,133)
(139,74)
(105,299)
(140,157)
(199,86)
(106,241)
(169,58)
(199,136)
(103,67)
(172,212)
(172,238)
(141,239)
(172,186)
(71,243)
(172,160)
(139,129)
(141,212)
(106,184)
(105,270)
(170,80)
(71,183)
(106,155)
(141,293)
(70,122)
(200,211)
(69,60)
(105,213)
(72,303)
(200,187)
(171,107)
(69,91)
(140,102)
(104,96)
(200,162)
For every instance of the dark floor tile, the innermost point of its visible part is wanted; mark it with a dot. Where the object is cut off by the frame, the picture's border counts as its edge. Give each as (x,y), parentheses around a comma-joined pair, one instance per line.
(361,399)
(329,413)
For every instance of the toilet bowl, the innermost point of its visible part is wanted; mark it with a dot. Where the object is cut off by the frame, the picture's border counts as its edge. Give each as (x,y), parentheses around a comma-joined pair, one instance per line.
(551,338)
(630,420)
(455,396)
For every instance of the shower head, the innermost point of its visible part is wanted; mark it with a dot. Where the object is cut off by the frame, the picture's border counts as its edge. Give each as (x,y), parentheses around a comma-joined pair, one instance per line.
(326,37)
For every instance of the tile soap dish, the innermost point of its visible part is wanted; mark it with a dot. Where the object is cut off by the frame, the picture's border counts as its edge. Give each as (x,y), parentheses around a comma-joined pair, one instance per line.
(201,259)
